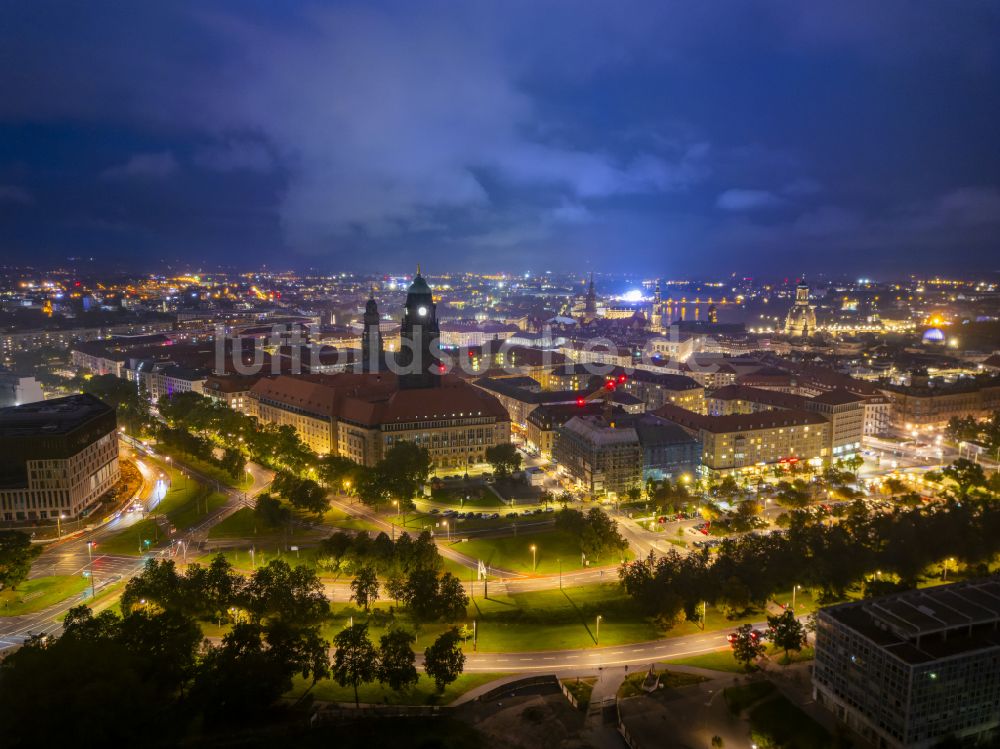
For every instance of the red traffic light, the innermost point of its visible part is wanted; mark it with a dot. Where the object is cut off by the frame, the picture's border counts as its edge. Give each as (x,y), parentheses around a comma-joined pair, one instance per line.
(609,385)
(621,378)
(580,402)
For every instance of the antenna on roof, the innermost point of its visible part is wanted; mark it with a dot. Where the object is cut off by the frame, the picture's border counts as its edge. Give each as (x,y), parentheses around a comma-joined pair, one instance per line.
(418,269)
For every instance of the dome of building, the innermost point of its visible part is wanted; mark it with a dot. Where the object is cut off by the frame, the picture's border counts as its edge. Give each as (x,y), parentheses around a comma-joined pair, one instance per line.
(934,335)
(419,285)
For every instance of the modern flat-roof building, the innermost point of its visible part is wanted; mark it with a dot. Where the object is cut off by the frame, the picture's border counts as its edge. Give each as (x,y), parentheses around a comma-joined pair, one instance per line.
(913,669)
(57,457)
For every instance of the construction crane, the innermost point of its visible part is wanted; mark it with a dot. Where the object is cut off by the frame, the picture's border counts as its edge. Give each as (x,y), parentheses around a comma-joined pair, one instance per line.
(606,393)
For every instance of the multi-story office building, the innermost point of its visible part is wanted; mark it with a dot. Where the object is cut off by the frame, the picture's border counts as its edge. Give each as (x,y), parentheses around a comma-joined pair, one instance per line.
(543,423)
(748,442)
(57,457)
(601,456)
(910,670)
(844,410)
(656,389)
(924,403)
(846,413)
(612,455)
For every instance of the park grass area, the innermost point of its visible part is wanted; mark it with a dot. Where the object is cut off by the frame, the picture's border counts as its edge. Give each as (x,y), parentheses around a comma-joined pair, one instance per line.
(560,619)
(743,697)
(794,656)
(206,469)
(39,593)
(127,541)
(777,722)
(241,524)
(346,521)
(514,552)
(716,660)
(423,693)
(539,620)
(632,686)
(244,524)
(478,497)
(581,689)
(243,561)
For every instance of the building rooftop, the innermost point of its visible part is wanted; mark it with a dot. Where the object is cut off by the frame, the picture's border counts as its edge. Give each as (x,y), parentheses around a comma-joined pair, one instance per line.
(920,626)
(56,416)
(738,422)
(374,399)
(757,395)
(597,431)
(838,398)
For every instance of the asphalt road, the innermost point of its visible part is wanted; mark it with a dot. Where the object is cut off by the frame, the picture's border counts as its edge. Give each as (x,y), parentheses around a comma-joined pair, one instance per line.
(71,555)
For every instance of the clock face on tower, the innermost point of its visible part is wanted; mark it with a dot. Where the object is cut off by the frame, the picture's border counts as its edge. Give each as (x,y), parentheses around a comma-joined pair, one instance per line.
(422,311)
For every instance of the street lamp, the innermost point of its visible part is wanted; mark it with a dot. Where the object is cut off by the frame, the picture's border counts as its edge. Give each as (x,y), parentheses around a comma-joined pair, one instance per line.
(597,634)
(534,558)
(794,588)
(90,559)
(946,561)
(59,518)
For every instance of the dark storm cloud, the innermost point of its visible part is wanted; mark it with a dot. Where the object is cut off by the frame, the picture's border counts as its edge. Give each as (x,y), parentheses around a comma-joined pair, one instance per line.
(484,134)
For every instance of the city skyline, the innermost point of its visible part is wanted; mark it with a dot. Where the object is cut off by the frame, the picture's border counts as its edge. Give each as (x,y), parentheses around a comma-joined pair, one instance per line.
(755,138)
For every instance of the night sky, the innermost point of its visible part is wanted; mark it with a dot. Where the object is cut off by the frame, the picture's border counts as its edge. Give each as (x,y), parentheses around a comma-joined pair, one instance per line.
(688,138)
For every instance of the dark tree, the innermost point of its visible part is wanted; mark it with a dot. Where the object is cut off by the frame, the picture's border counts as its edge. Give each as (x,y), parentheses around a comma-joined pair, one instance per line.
(356,660)
(396,660)
(278,591)
(364,587)
(747,644)
(444,660)
(270,512)
(786,632)
(504,458)
(16,555)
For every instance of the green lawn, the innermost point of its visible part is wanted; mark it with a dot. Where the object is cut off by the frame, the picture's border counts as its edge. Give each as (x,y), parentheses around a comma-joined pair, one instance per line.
(40,593)
(185,504)
(209,470)
(777,654)
(244,524)
(337,517)
(424,693)
(127,541)
(718,660)
(632,686)
(514,552)
(541,620)
(560,619)
(777,722)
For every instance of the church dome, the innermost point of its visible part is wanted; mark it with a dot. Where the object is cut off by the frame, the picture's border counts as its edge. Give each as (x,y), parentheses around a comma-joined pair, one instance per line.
(419,286)
(934,335)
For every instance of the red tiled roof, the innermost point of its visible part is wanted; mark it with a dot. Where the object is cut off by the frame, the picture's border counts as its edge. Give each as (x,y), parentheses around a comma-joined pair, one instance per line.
(371,399)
